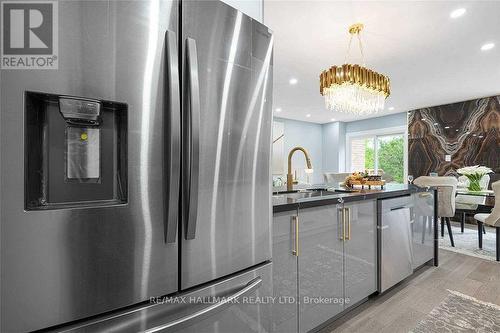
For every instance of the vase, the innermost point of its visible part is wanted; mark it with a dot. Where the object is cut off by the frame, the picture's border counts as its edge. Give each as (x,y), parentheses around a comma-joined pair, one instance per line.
(474,182)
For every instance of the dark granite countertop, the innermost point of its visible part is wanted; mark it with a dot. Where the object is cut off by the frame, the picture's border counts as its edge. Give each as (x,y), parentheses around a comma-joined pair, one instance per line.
(290,201)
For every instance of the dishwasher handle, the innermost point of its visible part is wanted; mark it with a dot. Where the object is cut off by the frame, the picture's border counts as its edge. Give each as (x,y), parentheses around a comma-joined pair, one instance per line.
(397,208)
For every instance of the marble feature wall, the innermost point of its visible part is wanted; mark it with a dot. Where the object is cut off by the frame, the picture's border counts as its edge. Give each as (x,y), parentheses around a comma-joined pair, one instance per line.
(469,132)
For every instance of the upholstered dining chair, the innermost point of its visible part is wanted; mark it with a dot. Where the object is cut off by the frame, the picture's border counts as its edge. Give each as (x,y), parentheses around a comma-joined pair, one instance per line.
(447,189)
(467,205)
(492,219)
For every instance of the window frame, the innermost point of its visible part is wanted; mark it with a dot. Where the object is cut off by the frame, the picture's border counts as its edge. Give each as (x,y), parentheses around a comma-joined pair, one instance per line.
(374,134)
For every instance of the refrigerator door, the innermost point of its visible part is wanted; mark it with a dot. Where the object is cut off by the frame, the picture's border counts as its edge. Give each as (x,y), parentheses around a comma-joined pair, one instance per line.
(63,264)
(241,303)
(227,118)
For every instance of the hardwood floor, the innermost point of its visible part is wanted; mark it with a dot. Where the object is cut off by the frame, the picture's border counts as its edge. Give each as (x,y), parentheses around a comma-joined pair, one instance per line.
(400,309)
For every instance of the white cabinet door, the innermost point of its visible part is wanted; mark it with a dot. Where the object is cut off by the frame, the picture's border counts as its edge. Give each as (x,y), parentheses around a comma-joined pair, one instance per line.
(285,279)
(321,262)
(360,251)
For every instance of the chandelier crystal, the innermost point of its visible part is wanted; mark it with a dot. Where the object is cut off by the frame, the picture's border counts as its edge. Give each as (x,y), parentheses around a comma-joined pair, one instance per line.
(352,88)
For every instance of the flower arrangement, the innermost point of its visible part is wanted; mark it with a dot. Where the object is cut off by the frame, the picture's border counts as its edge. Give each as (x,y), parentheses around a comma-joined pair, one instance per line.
(474,174)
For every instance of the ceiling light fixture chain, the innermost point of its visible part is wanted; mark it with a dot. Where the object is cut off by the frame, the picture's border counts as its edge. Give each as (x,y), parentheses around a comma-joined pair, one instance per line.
(355,29)
(361,49)
(347,54)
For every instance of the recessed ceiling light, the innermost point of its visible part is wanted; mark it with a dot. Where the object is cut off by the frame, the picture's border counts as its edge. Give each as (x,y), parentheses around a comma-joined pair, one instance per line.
(474,134)
(293,81)
(457,12)
(333,119)
(308,115)
(278,109)
(446,127)
(456,130)
(391,108)
(487,46)
(480,136)
(423,119)
(435,124)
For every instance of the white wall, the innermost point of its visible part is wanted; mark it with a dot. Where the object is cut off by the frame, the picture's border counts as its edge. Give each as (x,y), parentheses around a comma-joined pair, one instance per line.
(252,8)
(392,120)
(309,136)
(333,136)
(326,143)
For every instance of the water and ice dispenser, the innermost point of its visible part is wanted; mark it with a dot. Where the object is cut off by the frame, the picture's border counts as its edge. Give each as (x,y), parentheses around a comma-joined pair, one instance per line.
(75,151)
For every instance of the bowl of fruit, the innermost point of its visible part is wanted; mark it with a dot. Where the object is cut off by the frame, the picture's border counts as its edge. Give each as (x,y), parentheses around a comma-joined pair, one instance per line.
(355,177)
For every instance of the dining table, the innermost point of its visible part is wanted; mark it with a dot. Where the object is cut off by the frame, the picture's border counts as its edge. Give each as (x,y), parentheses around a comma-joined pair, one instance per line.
(484,198)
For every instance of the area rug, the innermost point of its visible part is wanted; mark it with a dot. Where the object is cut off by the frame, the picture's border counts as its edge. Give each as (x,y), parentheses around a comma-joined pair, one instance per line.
(467,243)
(461,313)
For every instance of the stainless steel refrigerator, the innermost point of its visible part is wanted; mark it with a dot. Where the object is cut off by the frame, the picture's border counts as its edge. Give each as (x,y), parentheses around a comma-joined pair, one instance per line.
(139,169)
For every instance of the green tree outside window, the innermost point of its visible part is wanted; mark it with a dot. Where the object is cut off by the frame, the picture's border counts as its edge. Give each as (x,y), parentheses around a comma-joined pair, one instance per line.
(390,158)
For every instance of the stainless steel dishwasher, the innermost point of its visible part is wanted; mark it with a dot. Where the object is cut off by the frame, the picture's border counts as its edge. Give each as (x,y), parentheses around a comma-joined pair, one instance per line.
(394,241)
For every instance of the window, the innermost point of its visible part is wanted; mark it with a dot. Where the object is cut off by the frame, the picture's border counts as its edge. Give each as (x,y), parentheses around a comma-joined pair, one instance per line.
(390,156)
(362,154)
(381,152)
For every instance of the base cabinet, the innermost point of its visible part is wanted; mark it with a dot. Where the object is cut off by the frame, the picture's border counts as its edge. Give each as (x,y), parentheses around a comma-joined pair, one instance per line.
(326,257)
(321,261)
(285,270)
(422,228)
(360,252)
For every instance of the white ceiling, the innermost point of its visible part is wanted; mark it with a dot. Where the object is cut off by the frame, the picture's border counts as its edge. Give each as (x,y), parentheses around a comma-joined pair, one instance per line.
(430,58)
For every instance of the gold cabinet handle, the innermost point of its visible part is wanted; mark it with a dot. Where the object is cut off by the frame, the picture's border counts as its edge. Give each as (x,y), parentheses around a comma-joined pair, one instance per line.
(341,224)
(344,220)
(348,214)
(295,250)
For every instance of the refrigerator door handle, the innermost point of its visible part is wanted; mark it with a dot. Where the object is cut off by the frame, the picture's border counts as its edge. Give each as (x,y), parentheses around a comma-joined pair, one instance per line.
(173,144)
(219,306)
(194,131)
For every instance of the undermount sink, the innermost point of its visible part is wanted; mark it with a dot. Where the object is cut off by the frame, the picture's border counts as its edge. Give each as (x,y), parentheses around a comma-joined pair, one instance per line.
(302,194)
(313,192)
(346,190)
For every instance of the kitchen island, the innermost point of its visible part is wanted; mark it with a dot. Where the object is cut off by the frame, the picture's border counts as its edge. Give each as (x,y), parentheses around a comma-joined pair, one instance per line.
(332,250)
(319,195)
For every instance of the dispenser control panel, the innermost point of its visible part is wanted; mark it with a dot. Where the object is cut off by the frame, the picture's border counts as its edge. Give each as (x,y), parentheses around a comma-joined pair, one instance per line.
(79,110)
(75,151)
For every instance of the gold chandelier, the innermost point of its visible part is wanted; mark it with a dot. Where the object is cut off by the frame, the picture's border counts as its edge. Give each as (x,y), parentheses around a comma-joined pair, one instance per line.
(353,88)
